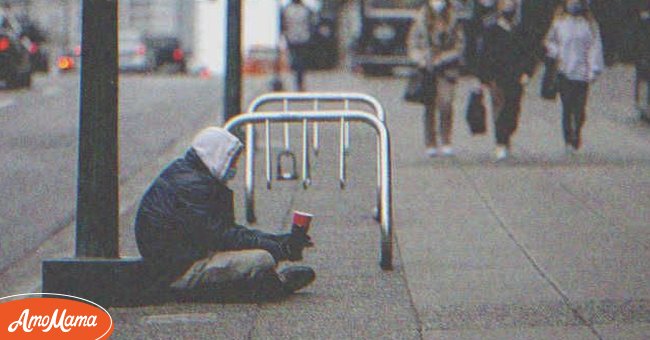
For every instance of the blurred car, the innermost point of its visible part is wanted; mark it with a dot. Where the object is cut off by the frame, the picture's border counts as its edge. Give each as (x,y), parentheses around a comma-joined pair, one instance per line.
(381,44)
(134,56)
(38,55)
(69,61)
(167,53)
(15,67)
(261,60)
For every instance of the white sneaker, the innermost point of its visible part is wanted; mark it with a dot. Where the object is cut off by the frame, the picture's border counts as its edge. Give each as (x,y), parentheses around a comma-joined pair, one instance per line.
(447,150)
(432,152)
(501,152)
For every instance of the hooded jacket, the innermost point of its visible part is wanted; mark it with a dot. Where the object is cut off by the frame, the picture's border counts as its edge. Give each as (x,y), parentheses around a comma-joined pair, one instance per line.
(188,213)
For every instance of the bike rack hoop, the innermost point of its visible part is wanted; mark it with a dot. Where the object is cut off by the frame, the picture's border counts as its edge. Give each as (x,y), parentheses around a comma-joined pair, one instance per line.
(385,207)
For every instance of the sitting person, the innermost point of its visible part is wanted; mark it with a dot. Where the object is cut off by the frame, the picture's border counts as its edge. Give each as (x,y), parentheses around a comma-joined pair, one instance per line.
(188,238)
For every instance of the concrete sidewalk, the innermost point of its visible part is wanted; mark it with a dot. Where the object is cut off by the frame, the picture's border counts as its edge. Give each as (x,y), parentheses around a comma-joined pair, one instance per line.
(541,246)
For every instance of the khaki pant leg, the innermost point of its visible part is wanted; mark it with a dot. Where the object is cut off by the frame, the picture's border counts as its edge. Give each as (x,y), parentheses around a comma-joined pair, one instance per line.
(225,267)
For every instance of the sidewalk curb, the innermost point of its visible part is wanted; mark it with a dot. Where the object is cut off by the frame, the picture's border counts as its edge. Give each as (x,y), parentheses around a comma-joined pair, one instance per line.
(24,276)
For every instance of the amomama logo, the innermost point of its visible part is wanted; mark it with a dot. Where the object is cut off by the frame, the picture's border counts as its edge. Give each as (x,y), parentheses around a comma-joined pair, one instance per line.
(52,316)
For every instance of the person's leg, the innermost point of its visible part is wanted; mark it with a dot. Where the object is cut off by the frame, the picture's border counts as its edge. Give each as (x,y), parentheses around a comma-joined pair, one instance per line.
(445,99)
(566,94)
(249,272)
(224,268)
(300,67)
(580,112)
(430,128)
(509,117)
(297,66)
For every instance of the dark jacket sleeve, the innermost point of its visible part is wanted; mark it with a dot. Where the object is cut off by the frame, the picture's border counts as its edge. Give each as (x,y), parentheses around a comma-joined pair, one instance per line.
(239,237)
(487,53)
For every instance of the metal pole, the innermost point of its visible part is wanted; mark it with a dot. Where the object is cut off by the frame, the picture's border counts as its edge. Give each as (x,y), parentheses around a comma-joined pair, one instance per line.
(386,207)
(233,60)
(97,189)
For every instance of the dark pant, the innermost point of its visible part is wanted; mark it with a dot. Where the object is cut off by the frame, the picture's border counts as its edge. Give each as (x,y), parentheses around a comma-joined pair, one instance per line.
(574,99)
(298,54)
(507,118)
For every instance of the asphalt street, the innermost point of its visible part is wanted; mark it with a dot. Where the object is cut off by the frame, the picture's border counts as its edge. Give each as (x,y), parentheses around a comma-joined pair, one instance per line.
(542,246)
(38,145)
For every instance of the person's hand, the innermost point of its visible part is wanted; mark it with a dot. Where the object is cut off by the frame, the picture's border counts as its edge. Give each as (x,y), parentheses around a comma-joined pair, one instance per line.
(298,240)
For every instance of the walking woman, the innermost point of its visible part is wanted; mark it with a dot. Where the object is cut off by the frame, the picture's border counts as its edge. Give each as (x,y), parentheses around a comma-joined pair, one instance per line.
(506,63)
(574,41)
(436,44)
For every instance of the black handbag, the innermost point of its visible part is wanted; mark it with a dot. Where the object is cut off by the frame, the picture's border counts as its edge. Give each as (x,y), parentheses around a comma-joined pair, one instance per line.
(475,114)
(549,86)
(414,92)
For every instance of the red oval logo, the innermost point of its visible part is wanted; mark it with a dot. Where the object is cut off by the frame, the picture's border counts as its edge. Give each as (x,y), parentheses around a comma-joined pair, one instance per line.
(57,317)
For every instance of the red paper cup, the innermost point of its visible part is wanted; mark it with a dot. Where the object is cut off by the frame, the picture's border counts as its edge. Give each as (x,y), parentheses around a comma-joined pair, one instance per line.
(302,219)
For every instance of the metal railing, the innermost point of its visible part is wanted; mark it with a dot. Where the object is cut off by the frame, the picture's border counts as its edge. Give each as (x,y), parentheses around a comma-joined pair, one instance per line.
(316,98)
(384,212)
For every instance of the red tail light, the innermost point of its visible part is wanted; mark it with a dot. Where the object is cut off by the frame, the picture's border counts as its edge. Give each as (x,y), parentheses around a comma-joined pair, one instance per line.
(141,50)
(4,44)
(178,54)
(65,63)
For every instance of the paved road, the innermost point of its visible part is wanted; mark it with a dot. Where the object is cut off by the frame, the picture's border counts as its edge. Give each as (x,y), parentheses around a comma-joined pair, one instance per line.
(38,146)
(542,246)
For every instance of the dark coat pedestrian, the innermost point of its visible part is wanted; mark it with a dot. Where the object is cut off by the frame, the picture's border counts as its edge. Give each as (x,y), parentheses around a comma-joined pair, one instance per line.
(505,62)
(297,23)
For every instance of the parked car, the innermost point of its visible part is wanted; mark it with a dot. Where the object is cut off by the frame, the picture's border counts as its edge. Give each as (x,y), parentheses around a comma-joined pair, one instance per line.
(381,44)
(260,60)
(34,38)
(15,67)
(167,53)
(69,61)
(38,57)
(134,56)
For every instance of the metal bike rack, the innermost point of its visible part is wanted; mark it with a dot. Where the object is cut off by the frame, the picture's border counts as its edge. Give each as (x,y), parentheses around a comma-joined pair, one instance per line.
(316,98)
(385,210)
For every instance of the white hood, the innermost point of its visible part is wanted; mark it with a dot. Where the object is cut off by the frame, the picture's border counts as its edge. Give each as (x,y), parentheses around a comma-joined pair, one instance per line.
(216,147)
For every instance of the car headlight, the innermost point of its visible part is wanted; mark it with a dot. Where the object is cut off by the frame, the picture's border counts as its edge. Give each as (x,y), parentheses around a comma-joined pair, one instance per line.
(383,32)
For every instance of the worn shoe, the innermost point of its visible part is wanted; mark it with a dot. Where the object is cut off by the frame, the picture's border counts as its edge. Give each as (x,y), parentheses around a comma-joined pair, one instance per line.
(501,152)
(296,277)
(432,152)
(447,150)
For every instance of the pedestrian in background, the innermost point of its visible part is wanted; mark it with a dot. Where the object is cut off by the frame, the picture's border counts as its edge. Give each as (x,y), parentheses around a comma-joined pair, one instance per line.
(642,59)
(574,41)
(436,43)
(506,63)
(297,24)
(465,13)
(484,15)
